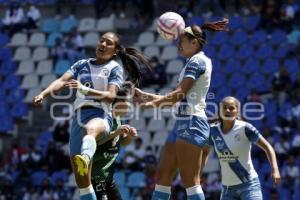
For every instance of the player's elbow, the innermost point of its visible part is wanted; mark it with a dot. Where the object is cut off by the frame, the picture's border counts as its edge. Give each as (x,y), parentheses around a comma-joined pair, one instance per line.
(110,97)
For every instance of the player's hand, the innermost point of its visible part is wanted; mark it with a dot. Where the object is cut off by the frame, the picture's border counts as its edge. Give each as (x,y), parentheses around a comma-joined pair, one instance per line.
(137,96)
(276,177)
(132,133)
(149,104)
(73,84)
(123,129)
(37,100)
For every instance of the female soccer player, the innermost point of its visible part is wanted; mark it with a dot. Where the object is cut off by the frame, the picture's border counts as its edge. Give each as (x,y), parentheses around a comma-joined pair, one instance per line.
(184,145)
(231,139)
(97,83)
(107,152)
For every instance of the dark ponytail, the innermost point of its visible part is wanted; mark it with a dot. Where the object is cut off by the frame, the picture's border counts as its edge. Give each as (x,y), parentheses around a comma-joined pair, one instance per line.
(216,26)
(133,61)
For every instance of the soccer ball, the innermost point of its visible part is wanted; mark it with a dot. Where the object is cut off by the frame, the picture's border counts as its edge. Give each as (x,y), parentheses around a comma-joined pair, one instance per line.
(170,25)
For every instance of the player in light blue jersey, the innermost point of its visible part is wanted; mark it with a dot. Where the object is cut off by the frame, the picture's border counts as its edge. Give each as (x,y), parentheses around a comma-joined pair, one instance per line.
(97,81)
(184,146)
(232,140)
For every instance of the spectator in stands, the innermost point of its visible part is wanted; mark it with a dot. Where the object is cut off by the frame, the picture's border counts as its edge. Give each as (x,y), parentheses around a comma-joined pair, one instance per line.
(71,4)
(134,155)
(7,189)
(30,193)
(14,154)
(60,133)
(282,148)
(290,175)
(33,17)
(296,142)
(281,83)
(13,19)
(59,50)
(74,45)
(32,158)
(61,192)
(158,75)
(46,191)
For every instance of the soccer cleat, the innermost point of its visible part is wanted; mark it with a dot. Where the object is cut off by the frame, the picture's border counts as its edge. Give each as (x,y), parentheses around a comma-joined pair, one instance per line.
(82,164)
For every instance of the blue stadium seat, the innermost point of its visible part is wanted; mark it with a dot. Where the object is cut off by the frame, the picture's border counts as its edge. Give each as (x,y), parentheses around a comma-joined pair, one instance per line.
(124,191)
(11,82)
(59,175)
(8,67)
(264,51)
(2,93)
(292,66)
(195,20)
(245,51)
(258,37)
(219,38)
(5,54)
(222,92)
(251,22)
(257,82)
(61,67)
(4,108)
(265,168)
(238,38)
(50,25)
(231,66)
(235,22)
(4,39)
(241,93)
(38,176)
(271,121)
(278,37)
(6,123)
(216,65)
(251,65)
(270,66)
(236,80)
(218,79)
(226,51)
(120,178)
(16,95)
(285,194)
(210,51)
(270,108)
(67,24)
(136,179)
(19,110)
(281,51)
(43,139)
(52,38)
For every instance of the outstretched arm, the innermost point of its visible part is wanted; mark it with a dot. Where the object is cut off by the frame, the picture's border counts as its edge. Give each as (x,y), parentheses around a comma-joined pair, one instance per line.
(268,149)
(145,96)
(54,87)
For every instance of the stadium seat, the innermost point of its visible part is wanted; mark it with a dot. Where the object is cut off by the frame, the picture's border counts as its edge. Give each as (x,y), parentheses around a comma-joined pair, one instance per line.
(226,51)
(169,52)
(120,178)
(245,51)
(30,81)
(281,51)
(4,109)
(31,94)
(140,124)
(44,67)
(145,39)
(47,79)
(43,139)
(8,67)
(67,24)
(258,37)
(251,65)
(37,39)
(270,66)
(235,22)
(174,67)
(218,79)
(264,51)
(162,42)
(19,110)
(5,53)
(156,125)
(16,95)
(222,92)
(241,93)
(238,38)
(59,175)
(87,24)
(151,51)
(18,39)
(22,53)
(170,124)
(159,138)
(50,25)
(136,180)
(40,53)
(278,37)
(219,38)
(11,82)
(194,20)
(90,39)
(6,123)
(106,24)
(125,193)
(4,39)
(25,67)
(61,67)
(251,22)
(236,80)
(210,51)
(292,66)
(38,176)
(257,82)
(294,37)
(52,39)
(231,66)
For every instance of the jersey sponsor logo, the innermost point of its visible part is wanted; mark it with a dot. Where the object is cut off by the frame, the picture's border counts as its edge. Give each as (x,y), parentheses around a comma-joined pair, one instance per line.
(104,72)
(227,156)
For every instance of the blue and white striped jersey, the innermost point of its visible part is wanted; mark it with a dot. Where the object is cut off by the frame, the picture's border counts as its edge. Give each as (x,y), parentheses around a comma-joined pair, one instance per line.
(234,151)
(97,77)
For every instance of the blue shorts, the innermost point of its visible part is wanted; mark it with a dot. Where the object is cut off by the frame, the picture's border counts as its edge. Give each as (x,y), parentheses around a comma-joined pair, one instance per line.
(250,190)
(81,117)
(192,129)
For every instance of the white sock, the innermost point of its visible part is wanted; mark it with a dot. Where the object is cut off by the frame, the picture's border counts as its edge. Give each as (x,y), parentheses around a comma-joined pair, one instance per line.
(87,190)
(89,146)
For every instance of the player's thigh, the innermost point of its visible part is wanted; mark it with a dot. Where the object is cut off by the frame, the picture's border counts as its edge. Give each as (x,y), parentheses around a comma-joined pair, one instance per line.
(81,181)
(167,164)
(251,191)
(97,127)
(228,195)
(189,157)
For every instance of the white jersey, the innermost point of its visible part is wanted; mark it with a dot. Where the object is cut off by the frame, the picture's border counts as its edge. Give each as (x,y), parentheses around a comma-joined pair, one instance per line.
(199,68)
(234,151)
(97,77)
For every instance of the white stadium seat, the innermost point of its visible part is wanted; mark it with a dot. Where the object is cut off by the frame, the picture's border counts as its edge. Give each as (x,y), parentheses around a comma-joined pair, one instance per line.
(159,138)
(87,24)
(22,53)
(31,94)
(105,24)
(47,79)
(156,125)
(162,42)
(174,67)
(18,39)
(169,52)
(151,51)
(30,81)
(44,67)
(90,39)
(145,38)
(40,53)
(37,39)
(25,67)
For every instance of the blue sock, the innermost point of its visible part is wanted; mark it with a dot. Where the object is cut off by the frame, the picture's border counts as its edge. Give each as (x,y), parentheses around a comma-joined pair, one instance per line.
(161,192)
(89,146)
(195,193)
(87,193)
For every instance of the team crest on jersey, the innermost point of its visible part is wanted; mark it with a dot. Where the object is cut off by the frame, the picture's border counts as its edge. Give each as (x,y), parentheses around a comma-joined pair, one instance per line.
(104,72)
(237,137)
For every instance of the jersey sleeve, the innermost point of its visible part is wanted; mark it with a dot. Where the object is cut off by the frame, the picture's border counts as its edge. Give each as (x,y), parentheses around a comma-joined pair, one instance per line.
(252,133)
(75,68)
(116,76)
(194,68)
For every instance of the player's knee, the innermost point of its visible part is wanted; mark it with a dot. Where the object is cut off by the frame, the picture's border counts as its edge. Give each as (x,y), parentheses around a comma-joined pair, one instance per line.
(94,129)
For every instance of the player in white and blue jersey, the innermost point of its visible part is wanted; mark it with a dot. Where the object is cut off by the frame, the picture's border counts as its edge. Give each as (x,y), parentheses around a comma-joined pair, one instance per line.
(184,146)
(232,140)
(97,81)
